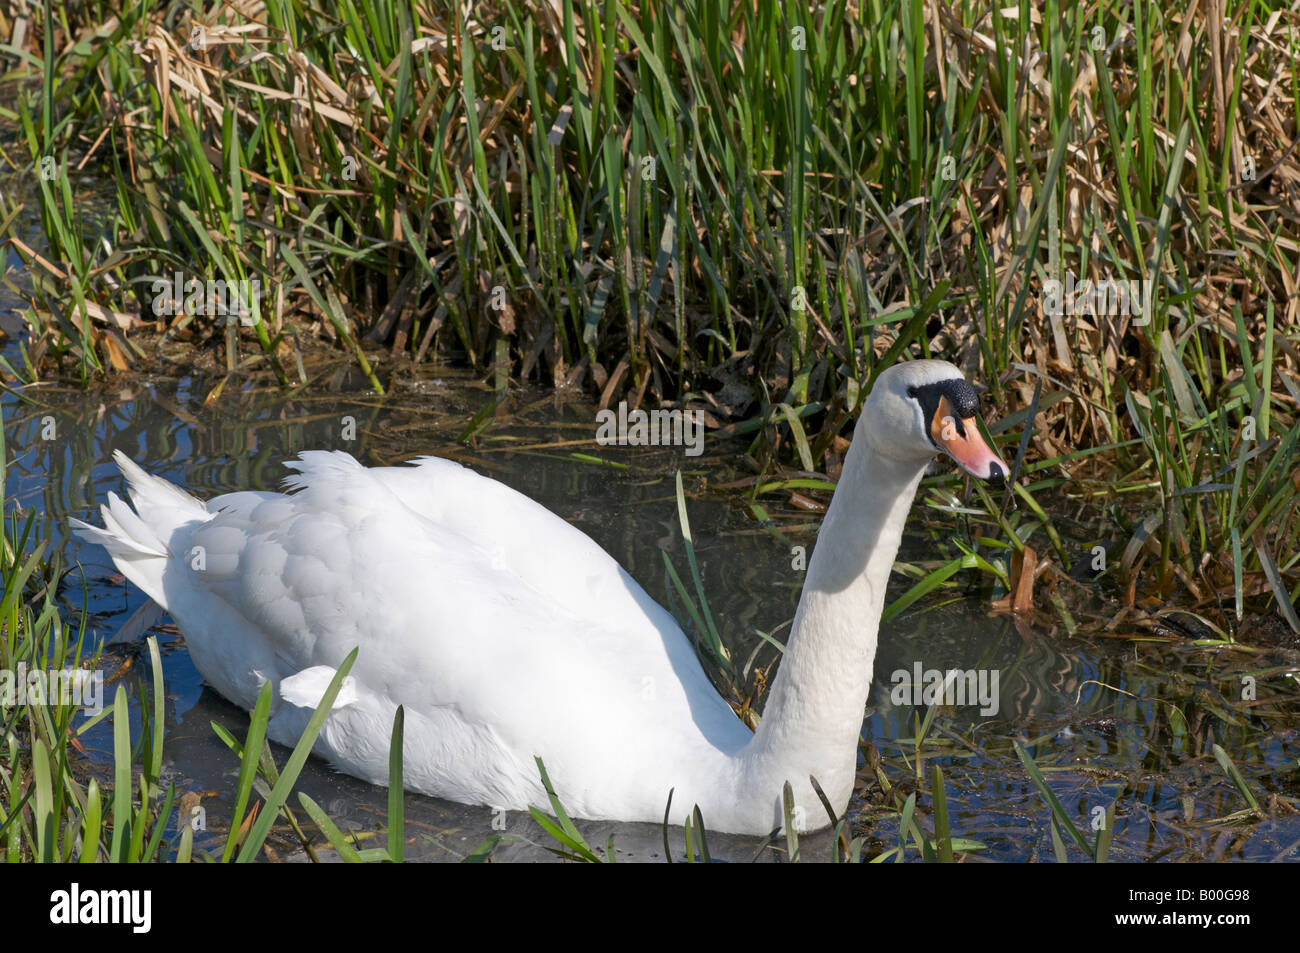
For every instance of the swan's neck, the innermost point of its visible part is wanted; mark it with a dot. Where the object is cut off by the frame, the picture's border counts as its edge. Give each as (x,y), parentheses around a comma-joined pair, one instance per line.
(814,713)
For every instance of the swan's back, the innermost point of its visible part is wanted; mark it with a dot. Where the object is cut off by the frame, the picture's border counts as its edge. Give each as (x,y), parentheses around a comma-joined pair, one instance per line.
(505,632)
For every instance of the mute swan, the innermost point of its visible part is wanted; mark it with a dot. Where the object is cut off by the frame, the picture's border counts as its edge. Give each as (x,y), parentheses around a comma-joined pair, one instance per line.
(507,633)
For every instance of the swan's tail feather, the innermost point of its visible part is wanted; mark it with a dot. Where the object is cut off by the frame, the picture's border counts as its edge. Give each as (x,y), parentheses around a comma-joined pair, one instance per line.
(317,466)
(137,539)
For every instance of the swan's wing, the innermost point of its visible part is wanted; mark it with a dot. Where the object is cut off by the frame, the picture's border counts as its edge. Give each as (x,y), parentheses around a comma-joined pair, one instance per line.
(522,537)
(272,585)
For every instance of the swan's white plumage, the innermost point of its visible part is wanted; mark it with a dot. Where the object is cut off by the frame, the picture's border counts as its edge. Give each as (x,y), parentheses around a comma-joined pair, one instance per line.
(472,604)
(507,633)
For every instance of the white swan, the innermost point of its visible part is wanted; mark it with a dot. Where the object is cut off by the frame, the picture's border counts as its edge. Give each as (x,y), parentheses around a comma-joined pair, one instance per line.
(508,633)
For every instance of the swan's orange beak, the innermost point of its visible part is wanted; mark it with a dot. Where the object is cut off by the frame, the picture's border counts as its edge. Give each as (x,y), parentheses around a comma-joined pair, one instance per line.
(960,439)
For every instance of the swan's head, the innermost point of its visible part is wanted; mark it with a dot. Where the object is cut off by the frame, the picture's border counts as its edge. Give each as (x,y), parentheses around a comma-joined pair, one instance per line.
(920,407)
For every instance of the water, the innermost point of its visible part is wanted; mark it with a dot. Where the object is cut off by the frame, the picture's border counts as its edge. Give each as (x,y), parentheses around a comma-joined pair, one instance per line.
(1105,747)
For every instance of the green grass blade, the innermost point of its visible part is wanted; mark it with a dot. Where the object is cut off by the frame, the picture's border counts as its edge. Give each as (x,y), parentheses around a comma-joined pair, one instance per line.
(280,793)
(396,792)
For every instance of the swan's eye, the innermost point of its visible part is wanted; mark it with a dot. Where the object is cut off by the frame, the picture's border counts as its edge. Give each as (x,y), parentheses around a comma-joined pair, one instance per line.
(961,397)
